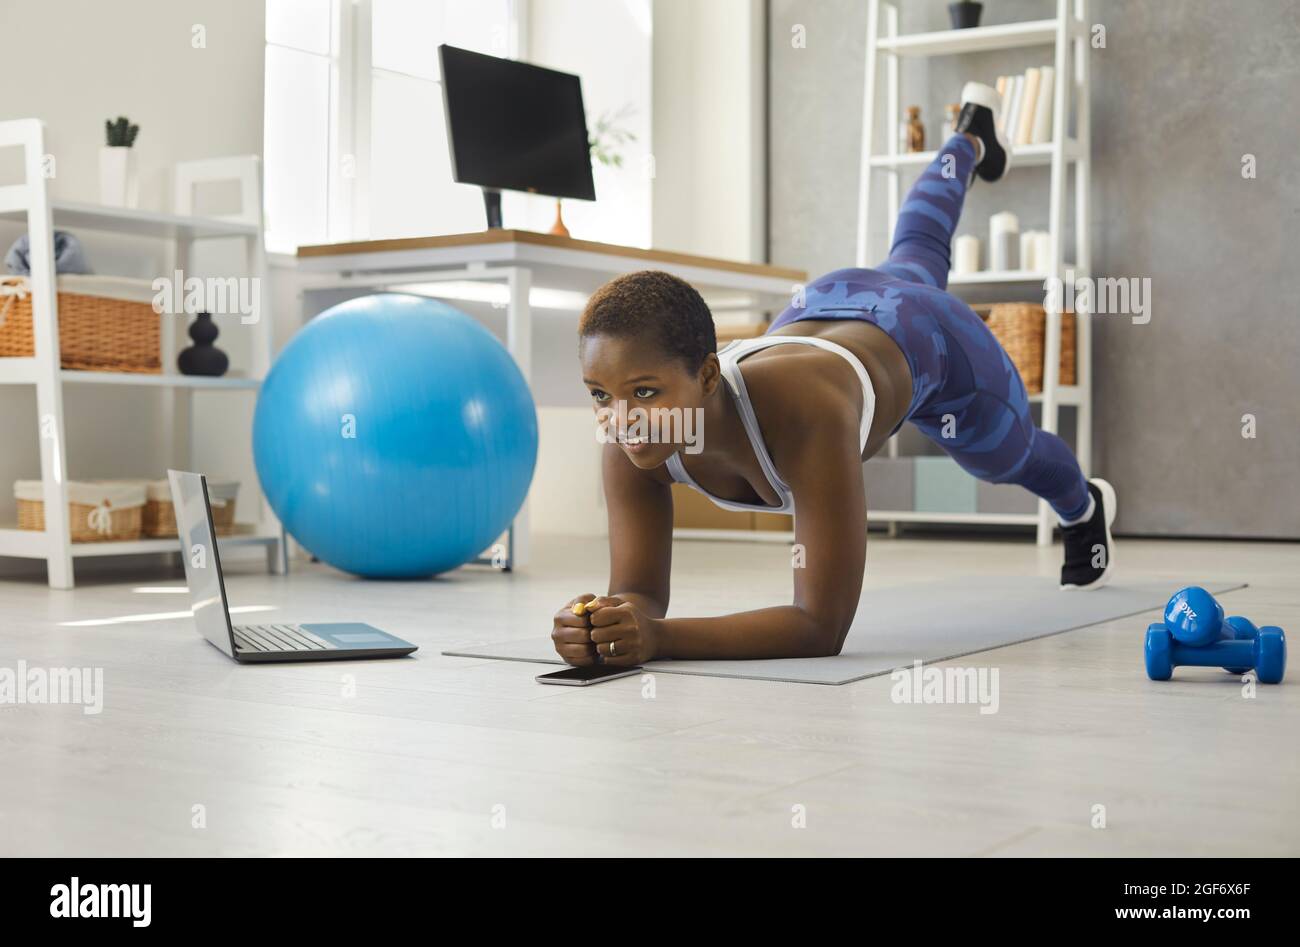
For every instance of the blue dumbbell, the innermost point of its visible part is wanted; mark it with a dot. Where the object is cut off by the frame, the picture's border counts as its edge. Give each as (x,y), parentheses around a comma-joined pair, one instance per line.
(1195,633)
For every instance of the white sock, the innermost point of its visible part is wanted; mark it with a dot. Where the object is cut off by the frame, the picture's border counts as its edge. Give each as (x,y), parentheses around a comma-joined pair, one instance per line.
(979,151)
(1092,508)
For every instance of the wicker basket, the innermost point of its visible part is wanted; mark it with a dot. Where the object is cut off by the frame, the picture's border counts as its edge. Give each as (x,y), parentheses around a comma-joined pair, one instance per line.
(160,514)
(1022,330)
(96,332)
(97,512)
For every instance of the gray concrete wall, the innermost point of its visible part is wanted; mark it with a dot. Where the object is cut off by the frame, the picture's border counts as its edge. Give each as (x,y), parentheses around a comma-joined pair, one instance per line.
(1179,94)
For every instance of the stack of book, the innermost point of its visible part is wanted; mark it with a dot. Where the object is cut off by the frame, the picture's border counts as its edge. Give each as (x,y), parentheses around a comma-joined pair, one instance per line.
(1027,106)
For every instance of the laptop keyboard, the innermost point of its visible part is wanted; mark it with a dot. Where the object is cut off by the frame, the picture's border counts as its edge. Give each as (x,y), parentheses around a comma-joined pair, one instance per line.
(278,638)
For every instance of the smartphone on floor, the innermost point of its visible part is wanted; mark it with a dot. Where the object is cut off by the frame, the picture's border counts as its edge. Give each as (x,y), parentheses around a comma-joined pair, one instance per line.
(591,674)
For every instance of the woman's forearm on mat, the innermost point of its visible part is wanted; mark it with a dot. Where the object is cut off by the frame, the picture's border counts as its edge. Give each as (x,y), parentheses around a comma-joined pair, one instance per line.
(785,631)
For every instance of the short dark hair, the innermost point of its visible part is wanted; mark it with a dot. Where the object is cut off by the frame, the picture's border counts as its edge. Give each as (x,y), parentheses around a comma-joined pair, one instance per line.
(657,306)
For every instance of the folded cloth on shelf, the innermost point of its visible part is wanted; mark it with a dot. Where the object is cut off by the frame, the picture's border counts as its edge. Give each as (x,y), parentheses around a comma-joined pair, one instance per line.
(69,257)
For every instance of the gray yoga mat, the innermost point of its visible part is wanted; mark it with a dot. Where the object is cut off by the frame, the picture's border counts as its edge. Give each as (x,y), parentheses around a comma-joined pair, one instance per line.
(930,621)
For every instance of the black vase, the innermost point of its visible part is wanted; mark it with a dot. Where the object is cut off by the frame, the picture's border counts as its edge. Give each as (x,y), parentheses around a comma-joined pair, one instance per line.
(965,14)
(203,358)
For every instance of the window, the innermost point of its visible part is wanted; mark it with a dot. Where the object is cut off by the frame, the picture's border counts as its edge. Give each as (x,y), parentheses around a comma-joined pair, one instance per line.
(301,69)
(411,191)
(355,136)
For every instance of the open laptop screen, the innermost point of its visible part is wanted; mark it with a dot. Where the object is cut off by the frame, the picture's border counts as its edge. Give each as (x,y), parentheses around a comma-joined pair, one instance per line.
(199,553)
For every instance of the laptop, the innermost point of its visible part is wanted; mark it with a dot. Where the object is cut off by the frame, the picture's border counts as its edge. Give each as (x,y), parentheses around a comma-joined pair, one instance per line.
(255,644)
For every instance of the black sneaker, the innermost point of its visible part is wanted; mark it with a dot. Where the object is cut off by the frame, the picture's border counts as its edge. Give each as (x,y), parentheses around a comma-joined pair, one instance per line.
(1089,549)
(980,105)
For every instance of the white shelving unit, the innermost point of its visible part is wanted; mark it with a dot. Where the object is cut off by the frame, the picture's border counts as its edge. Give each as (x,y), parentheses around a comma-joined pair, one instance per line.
(1067,35)
(29,202)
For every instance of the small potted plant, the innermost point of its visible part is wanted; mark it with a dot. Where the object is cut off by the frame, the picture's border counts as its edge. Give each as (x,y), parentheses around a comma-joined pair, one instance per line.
(118,185)
(608,135)
(965,14)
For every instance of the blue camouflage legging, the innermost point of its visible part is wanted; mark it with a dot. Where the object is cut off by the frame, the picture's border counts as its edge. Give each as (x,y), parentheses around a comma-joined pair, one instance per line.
(963,384)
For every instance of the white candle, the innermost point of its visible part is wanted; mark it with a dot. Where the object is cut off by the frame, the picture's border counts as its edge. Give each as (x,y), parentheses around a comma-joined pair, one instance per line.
(1042,251)
(1005,222)
(967,255)
(1028,242)
(1003,228)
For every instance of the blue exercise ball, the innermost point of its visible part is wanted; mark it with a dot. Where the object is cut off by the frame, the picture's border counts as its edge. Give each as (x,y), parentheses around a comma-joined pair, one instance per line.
(395,437)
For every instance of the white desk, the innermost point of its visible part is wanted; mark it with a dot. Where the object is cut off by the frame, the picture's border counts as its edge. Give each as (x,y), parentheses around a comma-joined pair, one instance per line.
(523,260)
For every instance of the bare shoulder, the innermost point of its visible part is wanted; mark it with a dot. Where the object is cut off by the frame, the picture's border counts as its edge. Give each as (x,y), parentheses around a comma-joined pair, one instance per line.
(801,393)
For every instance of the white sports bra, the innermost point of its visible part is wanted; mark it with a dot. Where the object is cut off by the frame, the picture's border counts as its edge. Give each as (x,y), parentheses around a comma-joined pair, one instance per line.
(730,357)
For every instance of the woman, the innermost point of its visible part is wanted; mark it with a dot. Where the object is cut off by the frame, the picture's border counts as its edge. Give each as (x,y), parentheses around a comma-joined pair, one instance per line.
(820,393)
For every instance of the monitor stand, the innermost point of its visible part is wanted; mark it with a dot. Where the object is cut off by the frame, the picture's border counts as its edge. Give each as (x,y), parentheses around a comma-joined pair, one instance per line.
(492,204)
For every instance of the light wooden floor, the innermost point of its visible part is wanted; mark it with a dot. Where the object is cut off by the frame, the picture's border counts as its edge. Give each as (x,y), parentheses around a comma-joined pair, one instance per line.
(436,755)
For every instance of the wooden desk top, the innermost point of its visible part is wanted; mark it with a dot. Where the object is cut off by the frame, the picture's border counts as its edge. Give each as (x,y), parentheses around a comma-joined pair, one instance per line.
(548,240)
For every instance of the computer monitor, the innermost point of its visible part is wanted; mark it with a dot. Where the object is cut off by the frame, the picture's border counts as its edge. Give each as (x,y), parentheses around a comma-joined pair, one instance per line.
(514,126)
